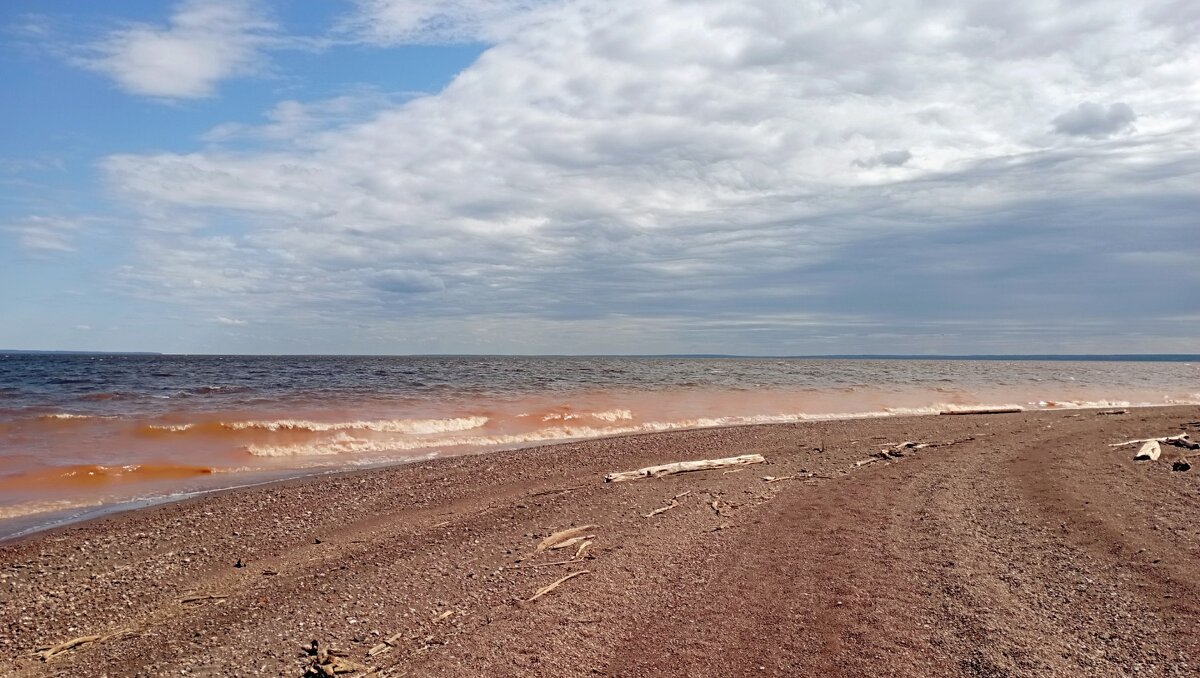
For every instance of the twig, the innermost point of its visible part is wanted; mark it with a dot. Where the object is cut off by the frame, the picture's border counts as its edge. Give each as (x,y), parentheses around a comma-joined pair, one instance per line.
(202,598)
(386,645)
(531,566)
(550,587)
(664,509)
(556,491)
(49,653)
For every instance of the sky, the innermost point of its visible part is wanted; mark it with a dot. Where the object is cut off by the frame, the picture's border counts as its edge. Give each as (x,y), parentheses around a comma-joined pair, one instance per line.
(766,177)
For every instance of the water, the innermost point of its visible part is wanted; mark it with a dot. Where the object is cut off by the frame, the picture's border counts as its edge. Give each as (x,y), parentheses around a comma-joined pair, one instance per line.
(84,431)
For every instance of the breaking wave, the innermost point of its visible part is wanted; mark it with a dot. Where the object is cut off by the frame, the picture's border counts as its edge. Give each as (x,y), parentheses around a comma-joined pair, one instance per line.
(406,426)
(347,444)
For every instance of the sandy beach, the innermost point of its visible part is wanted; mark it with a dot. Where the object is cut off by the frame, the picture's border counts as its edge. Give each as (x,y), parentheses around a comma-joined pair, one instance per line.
(1015,545)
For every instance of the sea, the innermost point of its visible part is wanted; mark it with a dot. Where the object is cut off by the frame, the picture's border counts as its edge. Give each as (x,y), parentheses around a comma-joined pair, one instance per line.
(85,434)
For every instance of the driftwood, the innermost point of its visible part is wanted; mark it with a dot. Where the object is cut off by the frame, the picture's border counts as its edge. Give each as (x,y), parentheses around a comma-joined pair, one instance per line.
(984,410)
(1148,452)
(798,476)
(328,662)
(46,654)
(683,467)
(562,536)
(1181,440)
(570,542)
(1103,413)
(579,553)
(555,584)
(386,645)
(1184,441)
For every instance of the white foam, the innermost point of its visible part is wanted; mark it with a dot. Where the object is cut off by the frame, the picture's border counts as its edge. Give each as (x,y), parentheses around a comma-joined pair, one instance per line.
(175,428)
(35,507)
(613,415)
(407,426)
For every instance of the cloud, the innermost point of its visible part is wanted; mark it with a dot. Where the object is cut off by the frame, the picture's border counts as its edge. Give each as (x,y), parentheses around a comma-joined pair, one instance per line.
(391,22)
(44,234)
(608,162)
(290,119)
(887,159)
(206,41)
(229,321)
(407,282)
(1095,120)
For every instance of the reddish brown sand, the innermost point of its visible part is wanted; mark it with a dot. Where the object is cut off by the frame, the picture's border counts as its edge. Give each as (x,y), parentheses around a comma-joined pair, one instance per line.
(1032,550)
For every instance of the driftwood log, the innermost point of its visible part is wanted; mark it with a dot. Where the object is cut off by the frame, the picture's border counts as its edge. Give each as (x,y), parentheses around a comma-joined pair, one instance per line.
(1181,440)
(1148,452)
(683,467)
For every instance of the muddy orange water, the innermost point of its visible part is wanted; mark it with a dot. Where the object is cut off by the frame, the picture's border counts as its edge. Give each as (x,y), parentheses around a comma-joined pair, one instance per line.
(80,432)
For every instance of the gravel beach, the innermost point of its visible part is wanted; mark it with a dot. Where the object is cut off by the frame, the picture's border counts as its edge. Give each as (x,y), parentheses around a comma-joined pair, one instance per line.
(1013,545)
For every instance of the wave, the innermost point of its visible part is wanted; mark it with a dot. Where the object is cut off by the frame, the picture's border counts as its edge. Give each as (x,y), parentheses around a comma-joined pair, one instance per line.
(406,426)
(606,415)
(99,474)
(346,444)
(36,507)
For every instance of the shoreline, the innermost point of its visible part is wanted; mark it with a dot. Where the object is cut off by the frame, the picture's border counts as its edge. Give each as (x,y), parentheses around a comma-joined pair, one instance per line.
(82,514)
(895,567)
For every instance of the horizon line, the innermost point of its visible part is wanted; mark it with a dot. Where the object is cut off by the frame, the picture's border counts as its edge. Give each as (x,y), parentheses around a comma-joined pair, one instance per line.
(828,356)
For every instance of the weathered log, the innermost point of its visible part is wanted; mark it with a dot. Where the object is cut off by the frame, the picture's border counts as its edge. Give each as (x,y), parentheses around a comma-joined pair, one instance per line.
(683,467)
(984,410)
(1103,413)
(1148,452)
(1183,441)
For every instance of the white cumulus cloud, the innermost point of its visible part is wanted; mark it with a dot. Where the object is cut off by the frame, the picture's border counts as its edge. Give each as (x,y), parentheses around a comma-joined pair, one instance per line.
(206,41)
(705,159)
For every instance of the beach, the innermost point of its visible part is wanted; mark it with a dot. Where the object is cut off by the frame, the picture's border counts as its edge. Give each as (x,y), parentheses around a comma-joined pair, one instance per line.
(1013,544)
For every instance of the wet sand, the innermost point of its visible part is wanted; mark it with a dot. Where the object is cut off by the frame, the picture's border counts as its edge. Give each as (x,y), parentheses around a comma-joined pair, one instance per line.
(1026,547)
